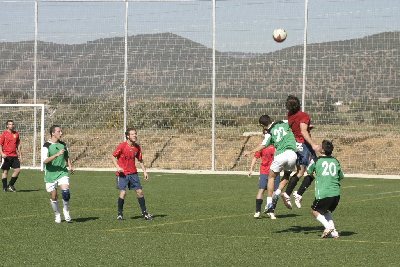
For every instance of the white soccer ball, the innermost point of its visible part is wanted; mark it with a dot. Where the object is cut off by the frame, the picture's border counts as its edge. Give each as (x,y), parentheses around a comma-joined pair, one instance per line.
(279,35)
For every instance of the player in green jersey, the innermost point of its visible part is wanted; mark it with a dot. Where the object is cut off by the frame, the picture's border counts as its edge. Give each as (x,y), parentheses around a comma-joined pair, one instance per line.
(56,162)
(328,174)
(281,137)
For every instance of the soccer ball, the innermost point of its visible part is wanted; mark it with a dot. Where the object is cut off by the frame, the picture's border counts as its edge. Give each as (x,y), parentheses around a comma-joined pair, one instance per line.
(279,35)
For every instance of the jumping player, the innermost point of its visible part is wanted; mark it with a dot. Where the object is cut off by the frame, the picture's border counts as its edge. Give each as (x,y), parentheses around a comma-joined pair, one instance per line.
(281,137)
(300,123)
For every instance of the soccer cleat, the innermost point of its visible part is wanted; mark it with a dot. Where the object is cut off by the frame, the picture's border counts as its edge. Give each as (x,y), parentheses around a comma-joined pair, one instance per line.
(297,199)
(327,232)
(58,218)
(5,190)
(11,188)
(335,234)
(257,215)
(67,217)
(286,200)
(148,216)
(271,215)
(120,217)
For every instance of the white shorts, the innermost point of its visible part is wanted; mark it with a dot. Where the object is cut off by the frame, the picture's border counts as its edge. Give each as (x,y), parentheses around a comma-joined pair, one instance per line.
(53,186)
(285,161)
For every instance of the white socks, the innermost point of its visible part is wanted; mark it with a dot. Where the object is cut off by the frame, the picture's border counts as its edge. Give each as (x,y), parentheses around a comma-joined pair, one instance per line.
(325,223)
(54,206)
(66,205)
(329,218)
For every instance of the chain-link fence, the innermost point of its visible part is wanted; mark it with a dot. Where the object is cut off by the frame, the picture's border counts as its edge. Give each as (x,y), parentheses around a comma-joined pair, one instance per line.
(193,76)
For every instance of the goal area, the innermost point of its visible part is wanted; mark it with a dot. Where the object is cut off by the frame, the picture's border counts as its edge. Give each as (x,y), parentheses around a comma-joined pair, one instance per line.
(29,122)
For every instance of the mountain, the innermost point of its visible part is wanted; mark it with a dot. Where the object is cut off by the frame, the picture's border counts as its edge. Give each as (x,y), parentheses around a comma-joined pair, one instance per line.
(169,66)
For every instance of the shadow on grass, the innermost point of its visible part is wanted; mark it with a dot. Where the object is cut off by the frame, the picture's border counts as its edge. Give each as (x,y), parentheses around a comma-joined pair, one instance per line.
(347,233)
(312,230)
(301,229)
(82,220)
(154,216)
(27,190)
(287,215)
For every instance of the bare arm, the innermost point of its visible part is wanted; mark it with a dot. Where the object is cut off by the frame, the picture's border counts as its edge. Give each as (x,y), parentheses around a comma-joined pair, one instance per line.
(115,162)
(258,148)
(1,152)
(307,137)
(146,176)
(253,162)
(70,167)
(50,159)
(19,147)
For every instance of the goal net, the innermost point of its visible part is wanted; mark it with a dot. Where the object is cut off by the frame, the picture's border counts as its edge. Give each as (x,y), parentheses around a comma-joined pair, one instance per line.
(29,122)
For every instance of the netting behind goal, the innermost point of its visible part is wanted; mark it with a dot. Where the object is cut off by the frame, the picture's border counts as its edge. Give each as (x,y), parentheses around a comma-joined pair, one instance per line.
(351,71)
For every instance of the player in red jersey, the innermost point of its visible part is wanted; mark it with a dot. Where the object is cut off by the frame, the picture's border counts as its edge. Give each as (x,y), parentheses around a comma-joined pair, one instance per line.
(124,158)
(300,123)
(267,156)
(10,150)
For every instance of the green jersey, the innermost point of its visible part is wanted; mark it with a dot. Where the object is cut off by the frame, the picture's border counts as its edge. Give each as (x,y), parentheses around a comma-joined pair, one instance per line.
(328,173)
(281,136)
(57,168)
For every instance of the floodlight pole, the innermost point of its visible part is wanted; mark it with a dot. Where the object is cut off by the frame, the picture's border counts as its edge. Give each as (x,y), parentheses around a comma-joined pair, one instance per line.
(303,94)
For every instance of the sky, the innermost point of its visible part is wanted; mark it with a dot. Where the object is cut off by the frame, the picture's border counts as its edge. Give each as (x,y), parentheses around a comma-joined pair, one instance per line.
(241,25)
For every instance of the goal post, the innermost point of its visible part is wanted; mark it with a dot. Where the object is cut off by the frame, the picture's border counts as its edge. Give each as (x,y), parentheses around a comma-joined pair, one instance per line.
(14,110)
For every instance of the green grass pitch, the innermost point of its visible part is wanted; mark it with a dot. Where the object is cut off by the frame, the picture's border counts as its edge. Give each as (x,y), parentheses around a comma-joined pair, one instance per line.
(200,220)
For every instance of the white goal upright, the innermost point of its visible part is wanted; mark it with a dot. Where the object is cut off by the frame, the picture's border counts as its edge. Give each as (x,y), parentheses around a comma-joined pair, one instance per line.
(25,117)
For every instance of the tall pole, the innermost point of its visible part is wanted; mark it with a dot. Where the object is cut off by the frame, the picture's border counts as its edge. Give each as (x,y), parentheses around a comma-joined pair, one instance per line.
(125,67)
(303,94)
(213,89)
(35,85)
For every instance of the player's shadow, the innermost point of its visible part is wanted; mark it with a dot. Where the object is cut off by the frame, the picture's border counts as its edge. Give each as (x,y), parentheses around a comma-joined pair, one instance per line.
(347,233)
(28,190)
(302,229)
(291,215)
(154,216)
(82,220)
(312,230)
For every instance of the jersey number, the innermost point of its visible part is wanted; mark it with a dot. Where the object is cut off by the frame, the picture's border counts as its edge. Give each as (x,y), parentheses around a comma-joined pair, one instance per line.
(279,133)
(329,169)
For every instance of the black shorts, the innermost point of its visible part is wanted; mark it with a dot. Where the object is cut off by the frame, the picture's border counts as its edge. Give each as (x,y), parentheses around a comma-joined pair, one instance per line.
(11,162)
(325,204)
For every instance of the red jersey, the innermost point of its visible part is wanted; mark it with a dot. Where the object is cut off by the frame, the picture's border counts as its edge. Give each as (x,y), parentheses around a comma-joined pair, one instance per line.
(267,156)
(126,156)
(294,121)
(10,141)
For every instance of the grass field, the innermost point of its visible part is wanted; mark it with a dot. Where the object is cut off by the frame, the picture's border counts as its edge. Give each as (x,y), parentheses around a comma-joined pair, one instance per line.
(200,220)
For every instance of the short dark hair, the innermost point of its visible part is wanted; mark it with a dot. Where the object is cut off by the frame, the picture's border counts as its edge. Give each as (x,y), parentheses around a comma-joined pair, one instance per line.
(292,104)
(265,120)
(53,128)
(327,146)
(8,121)
(128,130)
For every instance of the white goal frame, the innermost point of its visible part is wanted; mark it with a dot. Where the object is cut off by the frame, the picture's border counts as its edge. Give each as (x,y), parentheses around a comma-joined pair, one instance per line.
(34,106)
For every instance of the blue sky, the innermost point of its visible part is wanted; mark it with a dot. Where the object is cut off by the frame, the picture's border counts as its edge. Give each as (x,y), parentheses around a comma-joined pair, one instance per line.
(242,26)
